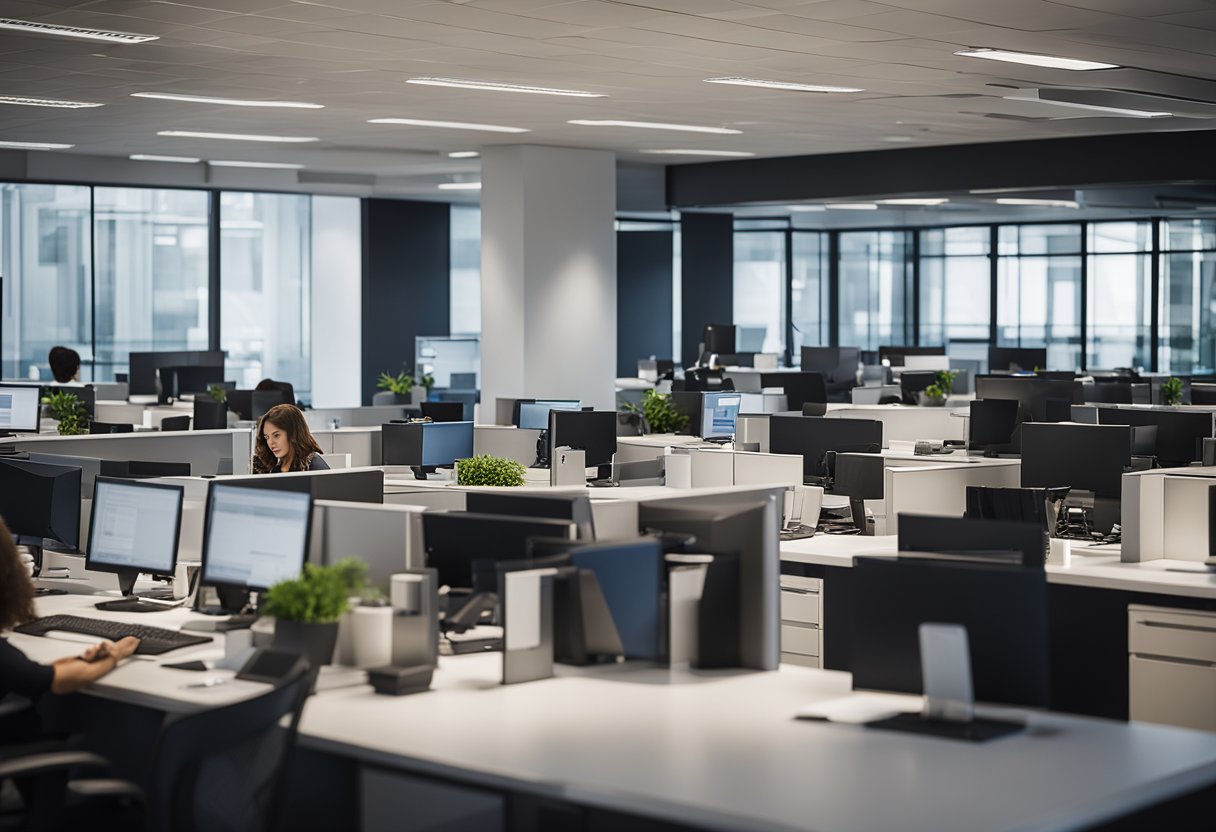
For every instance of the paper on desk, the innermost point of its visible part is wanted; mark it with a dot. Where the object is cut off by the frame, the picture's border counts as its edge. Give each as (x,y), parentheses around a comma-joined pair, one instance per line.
(857,708)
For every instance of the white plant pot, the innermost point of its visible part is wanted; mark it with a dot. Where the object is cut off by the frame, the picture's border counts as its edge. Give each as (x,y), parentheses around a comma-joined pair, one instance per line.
(372,636)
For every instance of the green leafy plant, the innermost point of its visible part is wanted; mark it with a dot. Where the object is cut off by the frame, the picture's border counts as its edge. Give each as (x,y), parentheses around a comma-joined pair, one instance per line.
(354,575)
(426,380)
(489,470)
(399,385)
(70,411)
(1171,391)
(943,386)
(217,392)
(318,596)
(660,414)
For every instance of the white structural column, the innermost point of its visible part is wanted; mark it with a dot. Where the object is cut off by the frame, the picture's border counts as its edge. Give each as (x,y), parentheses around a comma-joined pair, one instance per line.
(337,301)
(548,274)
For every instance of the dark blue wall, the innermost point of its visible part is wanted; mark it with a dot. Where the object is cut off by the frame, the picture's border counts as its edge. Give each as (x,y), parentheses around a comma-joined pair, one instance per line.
(707,258)
(643,297)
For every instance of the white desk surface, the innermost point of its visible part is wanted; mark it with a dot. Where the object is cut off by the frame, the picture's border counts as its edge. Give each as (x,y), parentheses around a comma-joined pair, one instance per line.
(722,750)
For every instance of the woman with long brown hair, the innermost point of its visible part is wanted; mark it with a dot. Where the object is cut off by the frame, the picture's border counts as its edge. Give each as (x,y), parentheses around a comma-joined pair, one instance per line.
(284,443)
(23,676)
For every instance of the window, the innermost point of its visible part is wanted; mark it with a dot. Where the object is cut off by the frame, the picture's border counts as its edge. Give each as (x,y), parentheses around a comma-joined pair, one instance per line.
(1119,302)
(45,260)
(151,273)
(1188,296)
(466,271)
(955,285)
(811,300)
(759,291)
(1039,291)
(875,289)
(265,268)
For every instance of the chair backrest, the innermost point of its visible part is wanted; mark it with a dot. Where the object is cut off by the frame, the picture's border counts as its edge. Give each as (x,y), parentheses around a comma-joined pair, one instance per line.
(223,769)
(175,423)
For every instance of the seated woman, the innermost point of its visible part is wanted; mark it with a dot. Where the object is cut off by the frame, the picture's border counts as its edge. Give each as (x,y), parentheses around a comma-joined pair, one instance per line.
(65,364)
(284,443)
(21,675)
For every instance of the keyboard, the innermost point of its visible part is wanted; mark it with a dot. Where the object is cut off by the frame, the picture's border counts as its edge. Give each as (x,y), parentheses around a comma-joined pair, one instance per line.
(152,640)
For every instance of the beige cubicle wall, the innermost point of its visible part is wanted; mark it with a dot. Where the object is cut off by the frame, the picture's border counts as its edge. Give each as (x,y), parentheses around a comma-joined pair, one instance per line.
(208,451)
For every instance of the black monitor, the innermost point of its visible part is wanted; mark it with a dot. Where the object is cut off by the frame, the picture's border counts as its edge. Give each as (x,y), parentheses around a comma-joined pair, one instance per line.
(592,431)
(1039,399)
(134,528)
(443,411)
(1180,433)
(240,402)
(814,436)
(254,537)
(1204,394)
(719,338)
(1086,457)
(992,424)
(800,388)
(426,445)
(352,485)
(630,579)
(1019,505)
(1108,392)
(41,502)
(176,381)
(1003,607)
(973,538)
(142,379)
(894,355)
(838,365)
(859,477)
(462,545)
(133,469)
(912,382)
(533,414)
(573,507)
(261,401)
(20,409)
(1015,359)
(719,412)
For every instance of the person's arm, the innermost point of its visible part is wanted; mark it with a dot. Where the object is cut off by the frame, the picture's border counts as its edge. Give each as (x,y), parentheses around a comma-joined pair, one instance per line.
(76,672)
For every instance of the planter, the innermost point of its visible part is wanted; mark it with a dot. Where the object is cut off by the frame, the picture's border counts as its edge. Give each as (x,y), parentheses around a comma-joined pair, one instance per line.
(931,401)
(418,395)
(210,414)
(384,397)
(314,641)
(372,635)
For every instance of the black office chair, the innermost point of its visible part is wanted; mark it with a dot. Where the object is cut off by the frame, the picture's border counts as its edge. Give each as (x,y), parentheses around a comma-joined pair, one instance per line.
(263,400)
(175,423)
(63,788)
(110,427)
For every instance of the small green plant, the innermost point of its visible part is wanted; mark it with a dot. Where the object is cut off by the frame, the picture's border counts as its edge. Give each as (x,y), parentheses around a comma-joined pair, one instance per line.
(489,470)
(1171,391)
(218,393)
(318,596)
(399,385)
(943,386)
(426,380)
(70,411)
(354,576)
(660,414)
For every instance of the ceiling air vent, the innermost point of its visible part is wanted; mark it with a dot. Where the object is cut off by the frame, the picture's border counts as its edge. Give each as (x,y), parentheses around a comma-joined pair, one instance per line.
(73,31)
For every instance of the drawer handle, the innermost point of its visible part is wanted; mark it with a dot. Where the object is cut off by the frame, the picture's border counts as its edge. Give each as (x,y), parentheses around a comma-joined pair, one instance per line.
(1174,660)
(1190,628)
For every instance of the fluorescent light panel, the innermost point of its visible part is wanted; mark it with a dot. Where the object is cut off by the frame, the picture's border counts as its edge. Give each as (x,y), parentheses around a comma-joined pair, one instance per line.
(73,31)
(34,146)
(152,157)
(1049,61)
(495,86)
(450,125)
(267,165)
(1042,203)
(806,209)
(237,137)
(936,200)
(851,206)
(460,186)
(653,125)
(463,154)
(780,85)
(46,102)
(1118,111)
(690,152)
(231,102)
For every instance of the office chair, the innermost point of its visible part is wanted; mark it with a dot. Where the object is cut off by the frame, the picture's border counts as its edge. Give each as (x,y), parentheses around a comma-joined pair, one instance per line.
(110,427)
(63,788)
(175,423)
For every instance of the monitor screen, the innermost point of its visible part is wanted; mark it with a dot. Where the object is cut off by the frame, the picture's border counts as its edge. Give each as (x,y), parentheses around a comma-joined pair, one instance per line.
(593,431)
(458,543)
(719,411)
(992,422)
(535,415)
(254,538)
(445,442)
(1180,433)
(1087,457)
(813,436)
(135,526)
(19,408)
(41,501)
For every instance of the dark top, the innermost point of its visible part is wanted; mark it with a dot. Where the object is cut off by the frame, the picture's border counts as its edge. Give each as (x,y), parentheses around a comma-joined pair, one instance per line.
(19,674)
(315,464)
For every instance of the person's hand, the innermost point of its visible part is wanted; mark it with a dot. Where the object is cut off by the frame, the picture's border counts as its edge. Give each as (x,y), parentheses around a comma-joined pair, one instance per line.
(124,647)
(98,651)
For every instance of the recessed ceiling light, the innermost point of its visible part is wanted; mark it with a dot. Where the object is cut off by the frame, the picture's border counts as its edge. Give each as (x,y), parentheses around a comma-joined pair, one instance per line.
(935,200)
(780,85)
(46,102)
(725,153)
(268,165)
(806,209)
(74,31)
(460,186)
(463,154)
(653,125)
(1116,111)
(452,125)
(851,206)
(35,146)
(237,137)
(152,157)
(1049,61)
(898,139)
(494,86)
(231,102)
(1043,203)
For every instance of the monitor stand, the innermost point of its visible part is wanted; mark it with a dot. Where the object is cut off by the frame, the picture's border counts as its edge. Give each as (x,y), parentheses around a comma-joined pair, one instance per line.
(130,602)
(35,547)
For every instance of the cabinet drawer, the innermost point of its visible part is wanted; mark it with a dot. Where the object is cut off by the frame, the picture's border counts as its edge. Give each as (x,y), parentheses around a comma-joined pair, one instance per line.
(801,661)
(800,607)
(798,639)
(1171,634)
(1172,693)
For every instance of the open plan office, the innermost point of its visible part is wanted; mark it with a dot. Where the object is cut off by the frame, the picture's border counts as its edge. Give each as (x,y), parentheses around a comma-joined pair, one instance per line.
(592,416)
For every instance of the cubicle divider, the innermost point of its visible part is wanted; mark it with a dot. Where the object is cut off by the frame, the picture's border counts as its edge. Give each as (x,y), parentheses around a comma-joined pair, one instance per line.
(936,489)
(514,443)
(354,417)
(906,423)
(1167,512)
(208,451)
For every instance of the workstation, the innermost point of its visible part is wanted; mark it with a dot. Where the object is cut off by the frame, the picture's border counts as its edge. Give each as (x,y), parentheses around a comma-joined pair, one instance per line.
(845,464)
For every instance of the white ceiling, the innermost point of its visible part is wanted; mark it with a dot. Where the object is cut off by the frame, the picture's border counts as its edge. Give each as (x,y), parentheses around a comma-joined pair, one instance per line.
(648,57)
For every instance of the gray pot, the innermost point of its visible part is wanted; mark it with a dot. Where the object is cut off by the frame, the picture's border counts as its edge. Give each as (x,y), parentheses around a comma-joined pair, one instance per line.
(314,641)
(384,397)
(931,401)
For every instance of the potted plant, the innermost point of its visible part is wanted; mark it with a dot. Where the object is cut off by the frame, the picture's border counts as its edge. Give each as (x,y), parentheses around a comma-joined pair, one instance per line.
(396,389)
(935,394)
(306,612)
(489,470)
(1171,391)
(426,381)
(211,411)
(365,629)
(659,415)
(69,411)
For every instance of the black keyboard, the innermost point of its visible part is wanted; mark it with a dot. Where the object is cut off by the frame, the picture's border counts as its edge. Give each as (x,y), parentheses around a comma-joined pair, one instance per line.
(152,640)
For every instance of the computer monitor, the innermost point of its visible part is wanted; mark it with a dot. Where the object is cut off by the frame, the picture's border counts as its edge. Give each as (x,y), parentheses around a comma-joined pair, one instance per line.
(592,431)
(1014,359)
(426,445)
(240,402)
(814,436)
(533,414)
(134,528)
(86,394)
(1039,399)
(133,469)
(973,538)
(260,401)
(631,580)
(443,411)
(20,409)
(1003,607)
(859,477)
(837,364)
(894,355)
(719,338)
(573,507)
(1204,394)
(463,545)
(992,424)
(800,388)
(1086,457)
(1107,392)
(176,381)
(719,412)
(253,537)
(143,366)
(41,502)
(1180,433)
(1019,505)
(350,485)
(912,382)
